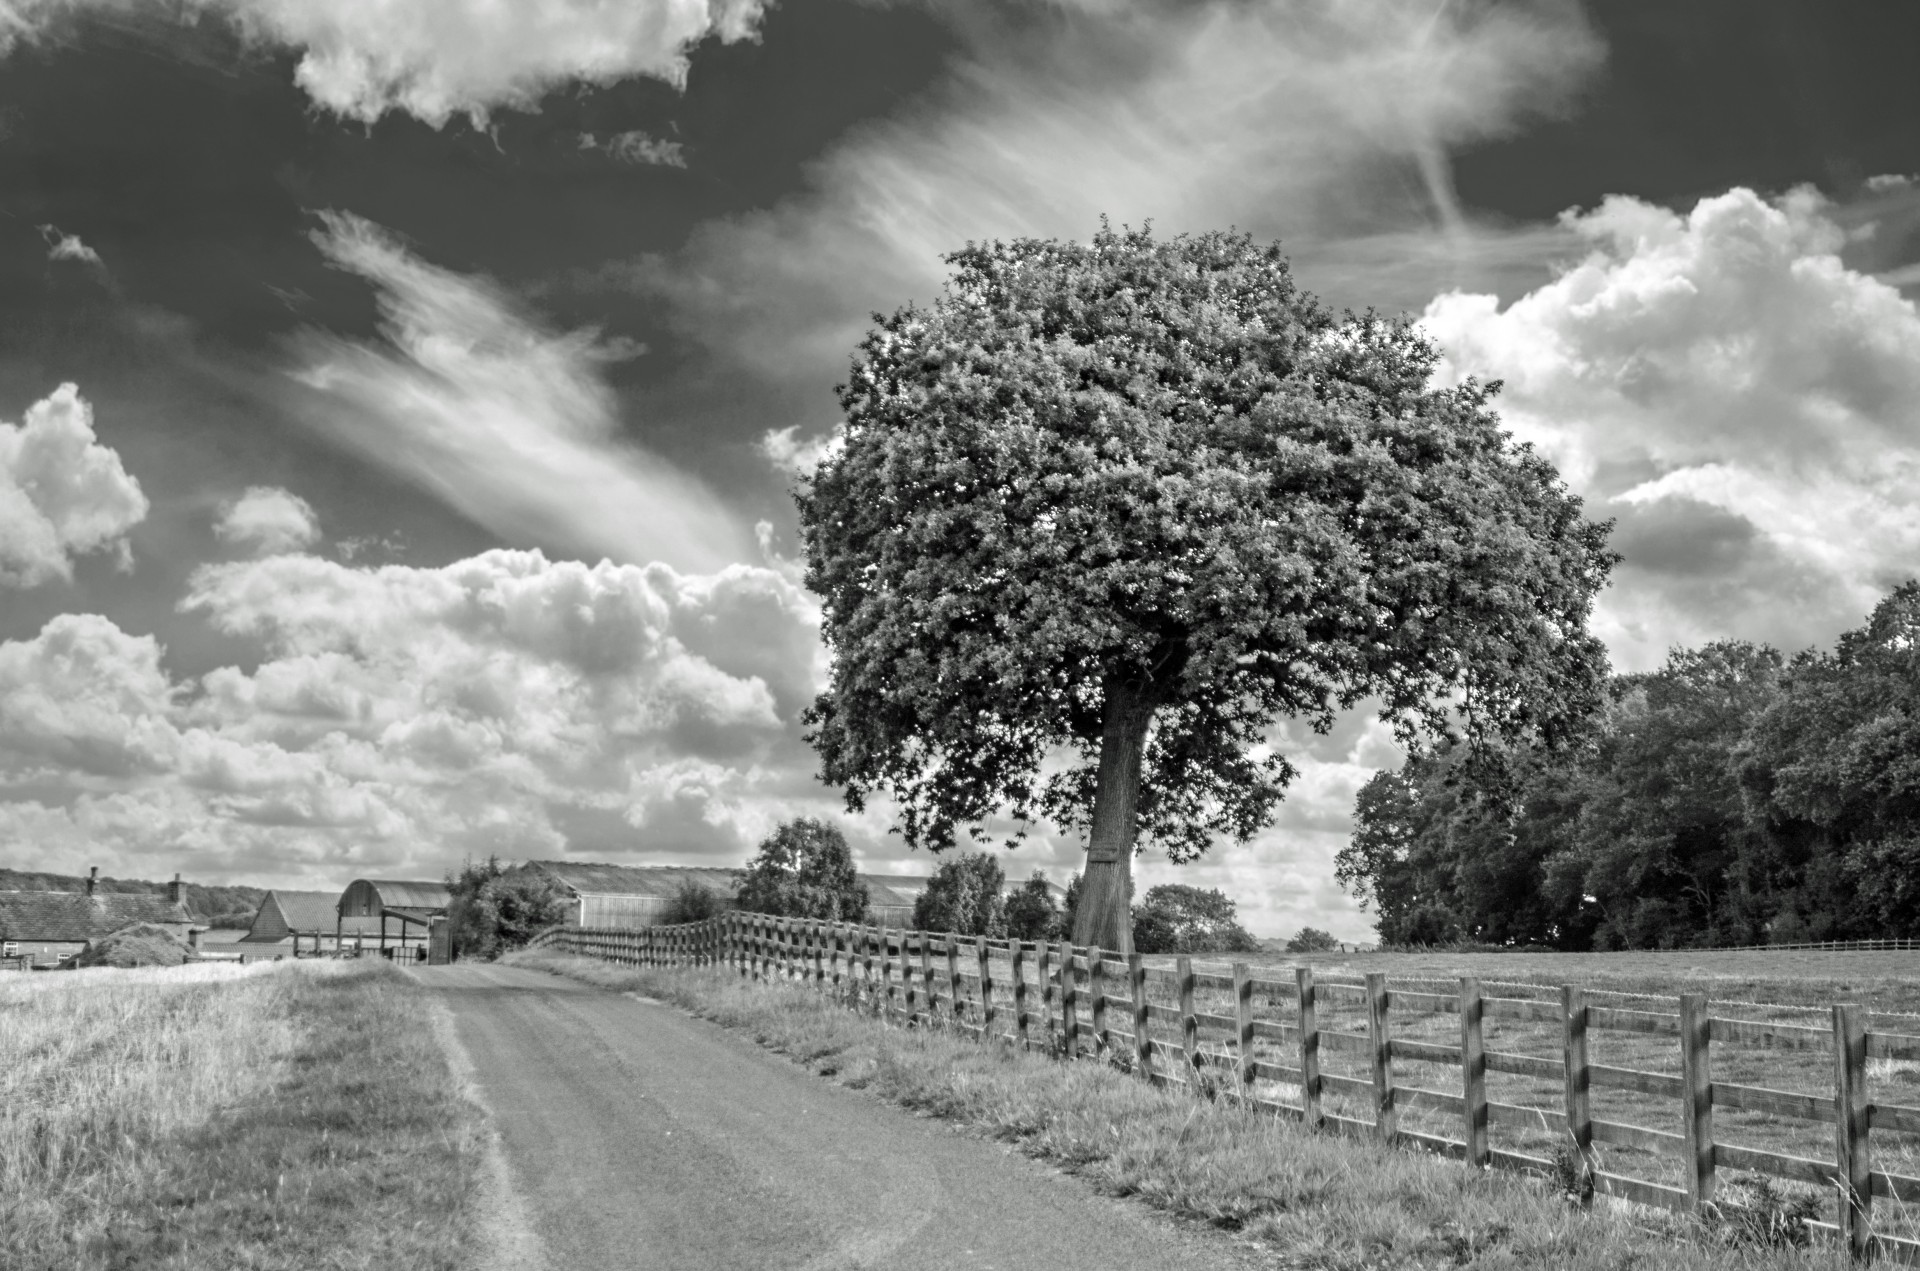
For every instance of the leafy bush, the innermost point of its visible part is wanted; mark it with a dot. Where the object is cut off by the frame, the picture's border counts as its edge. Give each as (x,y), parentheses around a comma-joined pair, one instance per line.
(804,869)
(691,902)
(1031,911)
(142,944)
(1176,918)
(1311,940)
(964,897)
(496,908)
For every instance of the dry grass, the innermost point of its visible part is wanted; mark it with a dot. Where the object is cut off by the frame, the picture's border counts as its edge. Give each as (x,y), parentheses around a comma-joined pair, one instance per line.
(271,1116)
(1316,1201)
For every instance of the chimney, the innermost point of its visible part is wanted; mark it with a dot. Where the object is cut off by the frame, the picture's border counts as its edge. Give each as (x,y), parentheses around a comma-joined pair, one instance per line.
(176,894)
(93,878)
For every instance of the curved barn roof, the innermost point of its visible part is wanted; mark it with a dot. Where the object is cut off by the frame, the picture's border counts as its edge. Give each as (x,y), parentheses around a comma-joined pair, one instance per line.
(371,896)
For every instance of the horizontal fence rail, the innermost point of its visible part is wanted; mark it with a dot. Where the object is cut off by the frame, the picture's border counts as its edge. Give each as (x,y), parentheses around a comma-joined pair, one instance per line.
(1247,1030)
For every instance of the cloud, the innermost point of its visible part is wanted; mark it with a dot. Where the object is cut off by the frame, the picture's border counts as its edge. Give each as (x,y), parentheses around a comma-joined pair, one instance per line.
(639,148)
(784,449)
(512,425)
(435,59)
(268,520)
(62,494)
(1746,404)
(1323,123)
(68,247)
(404,717)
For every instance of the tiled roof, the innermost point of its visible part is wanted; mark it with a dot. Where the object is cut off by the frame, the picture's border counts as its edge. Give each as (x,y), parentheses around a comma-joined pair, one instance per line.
(310,911)
(74,915)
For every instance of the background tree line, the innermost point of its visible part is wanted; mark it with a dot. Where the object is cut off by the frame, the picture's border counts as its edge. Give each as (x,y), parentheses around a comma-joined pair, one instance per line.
(1731,797)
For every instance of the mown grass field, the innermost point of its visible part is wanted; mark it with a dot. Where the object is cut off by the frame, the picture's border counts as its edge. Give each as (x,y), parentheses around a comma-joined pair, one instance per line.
(297,1116)
(1311,1200)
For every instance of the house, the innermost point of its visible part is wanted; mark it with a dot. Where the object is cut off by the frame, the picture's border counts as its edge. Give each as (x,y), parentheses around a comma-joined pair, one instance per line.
(49,927)
(637,895)
(290,918)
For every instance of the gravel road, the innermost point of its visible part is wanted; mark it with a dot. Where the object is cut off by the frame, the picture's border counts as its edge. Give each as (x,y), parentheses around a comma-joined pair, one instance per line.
(635,1136)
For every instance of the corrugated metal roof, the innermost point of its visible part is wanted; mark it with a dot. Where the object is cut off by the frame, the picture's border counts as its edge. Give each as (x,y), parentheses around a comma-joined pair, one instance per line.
(74,915)
(401,894)
(634,880)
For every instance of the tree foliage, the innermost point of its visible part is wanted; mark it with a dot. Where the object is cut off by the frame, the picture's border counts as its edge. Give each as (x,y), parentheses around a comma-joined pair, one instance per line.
(1730,797)
(692,902)
(803,869)
(1311,940)
(1032,912)
(496,908)
(1176,918)
(965,896)
(1131,501)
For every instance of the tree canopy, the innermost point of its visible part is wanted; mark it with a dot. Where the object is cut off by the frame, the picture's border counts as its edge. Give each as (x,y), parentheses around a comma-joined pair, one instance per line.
(803,869)
(1176,918)
(1032,912)
(496,908)
(1106,511)
(1731,797)
(965,897)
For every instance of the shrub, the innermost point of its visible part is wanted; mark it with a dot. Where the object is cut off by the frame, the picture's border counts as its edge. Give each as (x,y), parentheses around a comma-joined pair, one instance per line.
(691,902)
(142,944)
(1176,918)
(496,908)
(804,869)
(1031,911)
(964,897)
(1311,940)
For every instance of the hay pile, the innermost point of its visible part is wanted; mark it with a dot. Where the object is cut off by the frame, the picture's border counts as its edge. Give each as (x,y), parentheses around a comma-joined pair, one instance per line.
(142,944)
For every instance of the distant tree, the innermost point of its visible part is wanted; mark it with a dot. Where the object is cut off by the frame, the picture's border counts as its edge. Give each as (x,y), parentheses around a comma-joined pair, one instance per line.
(965,897)
(497,908)
(1311,940)
(1135,500)
(691,902)
(1069,906)
(803,869)
(1032,913)
(1176,918)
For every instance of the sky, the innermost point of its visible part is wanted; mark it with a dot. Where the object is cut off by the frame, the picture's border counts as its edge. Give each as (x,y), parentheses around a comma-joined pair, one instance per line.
(399,404)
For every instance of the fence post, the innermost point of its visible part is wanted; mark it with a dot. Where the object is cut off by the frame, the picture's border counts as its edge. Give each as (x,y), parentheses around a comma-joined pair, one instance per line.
(1097,991)
(910,995)
(981,950)
(1384,1120)
(1850,1125)
(926,975)
(1069,1002)
(872,984)
(1189,1026)
(1043,968)
(957,1005)
(1473,1073)
(1573,1052)
(886,974)
(1142,1018)
(1019,954)
(1309,1047)
(1696,1094)
(1243,1026)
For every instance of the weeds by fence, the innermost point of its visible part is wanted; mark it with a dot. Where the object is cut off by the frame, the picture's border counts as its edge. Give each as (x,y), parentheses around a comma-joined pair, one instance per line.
(1214,1038)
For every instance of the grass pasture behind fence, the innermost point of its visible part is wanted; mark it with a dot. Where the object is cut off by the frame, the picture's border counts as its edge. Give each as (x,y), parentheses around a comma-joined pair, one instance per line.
(1651,1100)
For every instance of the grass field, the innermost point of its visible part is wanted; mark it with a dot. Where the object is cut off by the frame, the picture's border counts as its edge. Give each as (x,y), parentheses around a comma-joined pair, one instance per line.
(1313,1201)
(218,1116)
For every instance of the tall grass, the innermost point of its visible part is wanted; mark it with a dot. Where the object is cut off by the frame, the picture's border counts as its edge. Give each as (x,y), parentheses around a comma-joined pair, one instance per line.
(1314,1200)
(283,1115)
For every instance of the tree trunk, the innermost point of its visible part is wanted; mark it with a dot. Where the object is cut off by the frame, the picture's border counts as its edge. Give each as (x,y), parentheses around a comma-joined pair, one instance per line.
(1103,915)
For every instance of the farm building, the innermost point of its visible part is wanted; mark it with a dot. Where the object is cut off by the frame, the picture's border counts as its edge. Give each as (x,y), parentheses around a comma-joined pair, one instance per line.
(292,918)
(45,928)
(404,913)
(637,895)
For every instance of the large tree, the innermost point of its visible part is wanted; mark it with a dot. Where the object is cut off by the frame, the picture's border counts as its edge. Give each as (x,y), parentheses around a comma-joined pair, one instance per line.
(803,869)
(1107,511)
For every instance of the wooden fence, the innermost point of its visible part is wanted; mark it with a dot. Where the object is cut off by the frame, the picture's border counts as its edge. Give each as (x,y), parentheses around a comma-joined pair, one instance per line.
(1082,1002)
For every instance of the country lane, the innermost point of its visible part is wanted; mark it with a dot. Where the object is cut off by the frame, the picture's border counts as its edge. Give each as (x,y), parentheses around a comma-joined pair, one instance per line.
(636,1136)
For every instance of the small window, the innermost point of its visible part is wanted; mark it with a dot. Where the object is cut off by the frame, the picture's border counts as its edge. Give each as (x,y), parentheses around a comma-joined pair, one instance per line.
(9,949)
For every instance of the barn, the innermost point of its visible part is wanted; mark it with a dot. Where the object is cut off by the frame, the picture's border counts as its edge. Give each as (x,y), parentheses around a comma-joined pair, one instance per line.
(46,928)
(288,919)
(404,912)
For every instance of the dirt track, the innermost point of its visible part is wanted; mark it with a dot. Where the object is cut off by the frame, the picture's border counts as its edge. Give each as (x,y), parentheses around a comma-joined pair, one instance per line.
(637,1137)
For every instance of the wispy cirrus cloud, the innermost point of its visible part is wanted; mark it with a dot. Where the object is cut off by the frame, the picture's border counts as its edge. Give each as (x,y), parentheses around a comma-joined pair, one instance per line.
(475,401)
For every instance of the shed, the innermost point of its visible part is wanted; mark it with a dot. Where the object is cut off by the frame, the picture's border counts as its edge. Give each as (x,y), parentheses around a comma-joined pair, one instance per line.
(414,905)
(630,896)
(49,927)
(303,915)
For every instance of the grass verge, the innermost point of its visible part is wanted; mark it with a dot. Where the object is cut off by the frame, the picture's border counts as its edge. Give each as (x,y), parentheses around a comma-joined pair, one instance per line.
(262,1117)
(1314,1201)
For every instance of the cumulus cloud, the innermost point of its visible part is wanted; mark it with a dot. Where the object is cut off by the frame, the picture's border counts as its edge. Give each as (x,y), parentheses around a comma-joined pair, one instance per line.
(62,494)
(513,425)
(1740,399)
(435,59)
(269,521)
(68,247)
(639,148)
(403,717)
